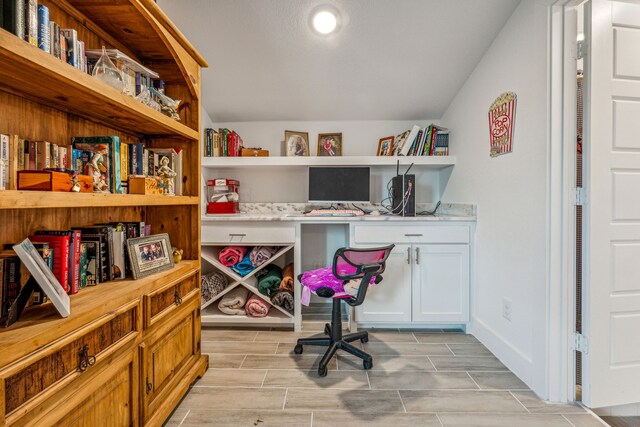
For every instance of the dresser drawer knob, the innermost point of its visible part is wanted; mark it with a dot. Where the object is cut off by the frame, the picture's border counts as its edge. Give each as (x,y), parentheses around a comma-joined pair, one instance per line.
(237,235)
(177,300)
(85,359)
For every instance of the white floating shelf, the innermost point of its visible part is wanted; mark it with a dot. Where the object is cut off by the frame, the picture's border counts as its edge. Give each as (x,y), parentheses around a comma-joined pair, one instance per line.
(433,162)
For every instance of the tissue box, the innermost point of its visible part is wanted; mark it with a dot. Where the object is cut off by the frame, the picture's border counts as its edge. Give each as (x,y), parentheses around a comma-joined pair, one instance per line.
(52,181)
(144,185)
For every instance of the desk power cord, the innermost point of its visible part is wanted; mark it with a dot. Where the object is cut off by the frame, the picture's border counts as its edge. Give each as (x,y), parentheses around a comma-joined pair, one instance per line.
(386,203)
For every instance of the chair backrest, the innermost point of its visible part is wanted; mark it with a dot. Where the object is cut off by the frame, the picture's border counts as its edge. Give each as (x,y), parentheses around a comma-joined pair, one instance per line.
(353,263)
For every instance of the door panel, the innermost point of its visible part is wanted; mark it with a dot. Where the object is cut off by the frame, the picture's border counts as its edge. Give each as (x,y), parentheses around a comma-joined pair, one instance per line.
(612,73)
(390,300)
(441,283)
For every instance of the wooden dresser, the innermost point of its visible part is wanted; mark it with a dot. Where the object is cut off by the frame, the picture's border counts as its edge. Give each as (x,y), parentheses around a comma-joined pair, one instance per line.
(130,349)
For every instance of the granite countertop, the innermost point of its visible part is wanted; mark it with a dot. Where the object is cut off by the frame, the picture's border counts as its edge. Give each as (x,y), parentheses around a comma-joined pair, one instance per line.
(294,212)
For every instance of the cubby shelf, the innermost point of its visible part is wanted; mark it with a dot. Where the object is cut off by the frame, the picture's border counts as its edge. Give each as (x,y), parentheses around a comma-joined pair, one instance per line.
(433,162)
(214,316)
(42,78)
(47,199)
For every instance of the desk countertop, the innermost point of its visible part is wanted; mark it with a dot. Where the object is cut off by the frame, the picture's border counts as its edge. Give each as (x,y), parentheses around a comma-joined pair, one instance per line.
(292,212)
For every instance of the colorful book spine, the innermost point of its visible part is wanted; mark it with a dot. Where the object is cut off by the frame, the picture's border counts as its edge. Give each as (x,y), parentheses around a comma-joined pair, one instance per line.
(71,38)
(13,19)
(4,162)
(54,35)
(60,246)
(74,259)
(44,30)
(31,22)
(83,265)
(43,155)
(14,159)
(124,162)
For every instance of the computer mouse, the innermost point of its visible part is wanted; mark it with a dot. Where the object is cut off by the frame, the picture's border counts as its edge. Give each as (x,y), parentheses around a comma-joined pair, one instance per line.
(375,213)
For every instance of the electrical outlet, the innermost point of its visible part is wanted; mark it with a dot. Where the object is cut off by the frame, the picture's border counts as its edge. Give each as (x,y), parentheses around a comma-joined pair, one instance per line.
(506,309)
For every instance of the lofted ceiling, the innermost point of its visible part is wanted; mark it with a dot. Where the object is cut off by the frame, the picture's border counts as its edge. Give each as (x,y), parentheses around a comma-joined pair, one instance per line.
(390,60)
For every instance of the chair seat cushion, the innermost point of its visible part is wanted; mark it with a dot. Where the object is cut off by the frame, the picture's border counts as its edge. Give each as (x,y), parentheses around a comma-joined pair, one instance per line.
(323,277)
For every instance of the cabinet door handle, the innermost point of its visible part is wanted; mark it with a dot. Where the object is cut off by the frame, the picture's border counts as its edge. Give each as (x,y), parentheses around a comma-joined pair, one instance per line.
(237,235)
(417,255)
(85,359)
(413,235)
(177,299)
(149,386)
(408,255)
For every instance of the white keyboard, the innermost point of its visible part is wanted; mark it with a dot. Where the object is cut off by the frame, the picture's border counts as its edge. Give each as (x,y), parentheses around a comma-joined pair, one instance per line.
(335,212)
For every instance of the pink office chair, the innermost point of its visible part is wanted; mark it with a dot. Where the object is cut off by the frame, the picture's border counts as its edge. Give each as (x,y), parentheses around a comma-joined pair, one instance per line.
(367,265)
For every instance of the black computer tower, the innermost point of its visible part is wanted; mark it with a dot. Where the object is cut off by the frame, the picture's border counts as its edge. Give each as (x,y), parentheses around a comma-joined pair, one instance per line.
(403,188)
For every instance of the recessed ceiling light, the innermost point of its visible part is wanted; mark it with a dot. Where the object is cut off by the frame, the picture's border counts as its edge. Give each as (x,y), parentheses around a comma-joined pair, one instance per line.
(325,22)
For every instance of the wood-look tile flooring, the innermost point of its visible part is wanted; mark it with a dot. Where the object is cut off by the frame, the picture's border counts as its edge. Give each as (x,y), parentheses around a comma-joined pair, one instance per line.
(433,378)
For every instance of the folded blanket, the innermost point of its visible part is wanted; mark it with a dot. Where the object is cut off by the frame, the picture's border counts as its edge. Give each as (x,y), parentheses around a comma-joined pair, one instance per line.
(257,307)
(244,267)
(287,278)
(231,255)
(283,299)
(269,279)
(233,302)
(212,285)
(261,254)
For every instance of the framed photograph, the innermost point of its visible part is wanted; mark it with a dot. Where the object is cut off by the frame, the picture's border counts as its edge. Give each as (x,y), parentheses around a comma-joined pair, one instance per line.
(330,144)
(149,254)
(296,143)
(40,271)
(385,146)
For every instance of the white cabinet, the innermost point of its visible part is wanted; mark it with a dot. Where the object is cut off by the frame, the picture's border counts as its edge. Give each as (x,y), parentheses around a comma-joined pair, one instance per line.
(425,281)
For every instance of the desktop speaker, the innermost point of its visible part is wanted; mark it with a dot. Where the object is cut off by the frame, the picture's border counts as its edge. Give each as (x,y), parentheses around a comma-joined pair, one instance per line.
(403,188)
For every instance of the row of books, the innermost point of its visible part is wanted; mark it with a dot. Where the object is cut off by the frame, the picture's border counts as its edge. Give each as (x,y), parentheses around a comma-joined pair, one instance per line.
(80,257)
(117,159)
(431,140)
(222,143)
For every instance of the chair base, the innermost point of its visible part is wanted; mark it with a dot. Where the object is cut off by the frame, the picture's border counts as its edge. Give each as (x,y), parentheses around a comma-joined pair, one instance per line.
(336,341)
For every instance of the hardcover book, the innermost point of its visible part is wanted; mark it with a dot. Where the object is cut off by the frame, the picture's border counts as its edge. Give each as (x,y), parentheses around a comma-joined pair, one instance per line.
(13,17)
(71,39)
(4,162)
(54,36)
(44,30)
(60,245)
(31,22)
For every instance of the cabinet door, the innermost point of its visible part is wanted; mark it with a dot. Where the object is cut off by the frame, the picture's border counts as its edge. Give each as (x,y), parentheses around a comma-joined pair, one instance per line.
(390,300)
(441,283)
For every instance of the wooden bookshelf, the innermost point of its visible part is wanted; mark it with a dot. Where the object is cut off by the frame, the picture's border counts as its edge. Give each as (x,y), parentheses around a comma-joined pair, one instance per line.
(48,199)
(145,333)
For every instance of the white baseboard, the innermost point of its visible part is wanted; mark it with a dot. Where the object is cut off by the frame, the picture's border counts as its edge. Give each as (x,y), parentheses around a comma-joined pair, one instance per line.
(514,359)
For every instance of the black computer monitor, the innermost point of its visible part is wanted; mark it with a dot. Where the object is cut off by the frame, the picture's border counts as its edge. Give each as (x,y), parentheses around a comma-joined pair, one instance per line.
(339,185)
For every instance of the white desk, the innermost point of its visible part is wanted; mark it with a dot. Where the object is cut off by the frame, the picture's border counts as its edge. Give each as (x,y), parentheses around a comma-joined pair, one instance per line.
(426,282)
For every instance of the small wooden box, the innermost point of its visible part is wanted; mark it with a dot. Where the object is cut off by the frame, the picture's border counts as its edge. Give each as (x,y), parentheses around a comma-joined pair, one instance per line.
(144,185)
(52,181)
(254,152)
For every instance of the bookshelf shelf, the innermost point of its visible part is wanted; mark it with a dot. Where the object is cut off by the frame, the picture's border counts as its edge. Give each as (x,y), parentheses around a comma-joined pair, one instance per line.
(434,162)
(48,199)
(40,77)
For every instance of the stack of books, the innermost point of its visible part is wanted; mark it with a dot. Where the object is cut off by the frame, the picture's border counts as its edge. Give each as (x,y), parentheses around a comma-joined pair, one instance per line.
(222,143)
(431,140)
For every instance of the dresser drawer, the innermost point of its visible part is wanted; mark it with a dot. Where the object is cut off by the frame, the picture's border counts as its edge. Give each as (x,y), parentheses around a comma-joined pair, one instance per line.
(163,301)
(385,233)
(235,232)
(30,381)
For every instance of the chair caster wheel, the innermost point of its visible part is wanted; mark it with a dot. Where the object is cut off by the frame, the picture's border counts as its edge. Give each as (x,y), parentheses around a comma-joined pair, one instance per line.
(322,371)
(367,364)
(364,340)
(297,349)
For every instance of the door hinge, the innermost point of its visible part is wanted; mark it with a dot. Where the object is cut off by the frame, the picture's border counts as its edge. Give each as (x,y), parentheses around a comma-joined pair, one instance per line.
(580,343)
(579,196)
(581,49)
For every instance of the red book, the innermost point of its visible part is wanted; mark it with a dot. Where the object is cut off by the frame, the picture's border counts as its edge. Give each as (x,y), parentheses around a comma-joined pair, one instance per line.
(433,141)
(60,246)
(74,261)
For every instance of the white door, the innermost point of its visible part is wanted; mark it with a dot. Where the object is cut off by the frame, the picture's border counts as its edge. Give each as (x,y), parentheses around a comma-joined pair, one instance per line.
(612,73)
(390,300)
(441,283)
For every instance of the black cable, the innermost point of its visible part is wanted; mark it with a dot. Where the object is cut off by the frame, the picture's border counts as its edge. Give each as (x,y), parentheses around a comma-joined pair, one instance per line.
(430,213)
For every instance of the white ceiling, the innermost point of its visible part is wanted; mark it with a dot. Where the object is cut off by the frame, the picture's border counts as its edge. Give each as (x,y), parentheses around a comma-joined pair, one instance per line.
(391,60)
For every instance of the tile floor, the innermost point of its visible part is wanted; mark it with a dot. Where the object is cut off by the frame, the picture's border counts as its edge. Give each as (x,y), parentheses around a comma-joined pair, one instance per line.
(433,378)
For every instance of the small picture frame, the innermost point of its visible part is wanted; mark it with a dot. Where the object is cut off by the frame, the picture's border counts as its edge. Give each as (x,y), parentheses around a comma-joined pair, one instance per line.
(385,146)
(296,143)
(149,254)
(330,144)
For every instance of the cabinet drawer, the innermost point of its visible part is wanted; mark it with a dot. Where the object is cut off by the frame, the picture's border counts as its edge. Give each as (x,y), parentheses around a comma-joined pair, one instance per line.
(30,381)
(234,232)
(410,234)
(163,301)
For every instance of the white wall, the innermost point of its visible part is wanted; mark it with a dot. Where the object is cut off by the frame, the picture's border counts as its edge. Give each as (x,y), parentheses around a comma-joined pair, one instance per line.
(290,185)
(510,192)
